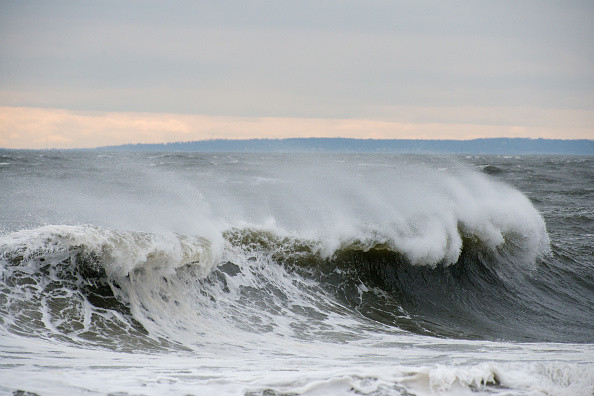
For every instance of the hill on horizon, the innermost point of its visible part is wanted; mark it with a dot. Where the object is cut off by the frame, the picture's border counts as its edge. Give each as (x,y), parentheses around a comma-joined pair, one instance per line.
(348,145)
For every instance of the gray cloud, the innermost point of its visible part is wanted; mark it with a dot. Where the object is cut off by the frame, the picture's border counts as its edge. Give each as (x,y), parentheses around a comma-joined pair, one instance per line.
(300,59)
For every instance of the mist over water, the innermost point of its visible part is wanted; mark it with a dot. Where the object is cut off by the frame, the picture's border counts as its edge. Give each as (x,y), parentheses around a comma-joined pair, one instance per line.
(296,273)
(413,206)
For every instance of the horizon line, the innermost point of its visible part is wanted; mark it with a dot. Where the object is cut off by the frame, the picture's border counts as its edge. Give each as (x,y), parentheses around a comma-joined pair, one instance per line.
(302,139)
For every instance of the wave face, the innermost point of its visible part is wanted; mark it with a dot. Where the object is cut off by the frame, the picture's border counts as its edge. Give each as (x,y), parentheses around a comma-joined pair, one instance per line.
(215,255)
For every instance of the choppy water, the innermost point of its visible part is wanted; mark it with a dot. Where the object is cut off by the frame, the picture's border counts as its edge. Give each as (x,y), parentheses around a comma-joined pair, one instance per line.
(191,273)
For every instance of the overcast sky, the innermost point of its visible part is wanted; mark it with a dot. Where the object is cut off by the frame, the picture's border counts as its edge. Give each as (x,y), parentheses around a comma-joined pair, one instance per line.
(86,73)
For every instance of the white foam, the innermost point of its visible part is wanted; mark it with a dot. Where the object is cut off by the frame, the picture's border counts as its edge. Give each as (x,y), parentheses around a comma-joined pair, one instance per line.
(119,252)
(305,371)
(547,378)
(421,209)
(413,208)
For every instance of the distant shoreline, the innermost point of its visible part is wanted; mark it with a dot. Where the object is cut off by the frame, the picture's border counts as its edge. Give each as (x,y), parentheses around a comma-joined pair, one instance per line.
(347,145)
(502,146)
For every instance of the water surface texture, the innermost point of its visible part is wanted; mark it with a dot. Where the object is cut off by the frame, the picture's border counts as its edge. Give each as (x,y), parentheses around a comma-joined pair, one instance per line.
(283,274)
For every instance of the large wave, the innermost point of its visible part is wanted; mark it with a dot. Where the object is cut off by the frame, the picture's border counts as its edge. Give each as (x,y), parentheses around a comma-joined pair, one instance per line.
(237,256)
(422,211)
(429,237)
(123,289)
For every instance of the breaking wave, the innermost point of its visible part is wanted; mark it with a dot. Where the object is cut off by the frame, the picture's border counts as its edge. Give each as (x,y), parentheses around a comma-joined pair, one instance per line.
(89,284)
(281,261)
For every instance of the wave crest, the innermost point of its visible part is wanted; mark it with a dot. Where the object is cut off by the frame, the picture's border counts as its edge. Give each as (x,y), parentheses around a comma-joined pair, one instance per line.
(118,252)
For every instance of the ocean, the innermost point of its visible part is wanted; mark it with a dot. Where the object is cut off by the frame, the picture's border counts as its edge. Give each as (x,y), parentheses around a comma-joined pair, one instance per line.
(288,274)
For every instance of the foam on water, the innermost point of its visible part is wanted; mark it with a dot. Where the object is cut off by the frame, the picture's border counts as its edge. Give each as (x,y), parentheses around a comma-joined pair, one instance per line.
(119,252)
(59,369)
(409,207)
(407,204)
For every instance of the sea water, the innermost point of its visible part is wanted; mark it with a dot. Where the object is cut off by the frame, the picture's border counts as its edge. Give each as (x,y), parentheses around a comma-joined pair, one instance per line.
(284,274)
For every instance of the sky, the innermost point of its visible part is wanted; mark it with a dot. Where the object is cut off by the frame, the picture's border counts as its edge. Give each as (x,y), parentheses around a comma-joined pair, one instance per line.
(95,73)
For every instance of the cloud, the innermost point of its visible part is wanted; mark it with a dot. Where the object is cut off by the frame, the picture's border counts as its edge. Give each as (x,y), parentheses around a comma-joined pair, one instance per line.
(296,59)
(38,128)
